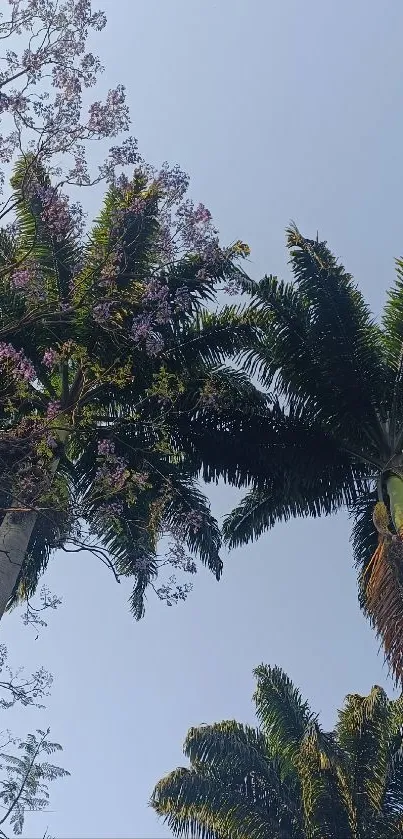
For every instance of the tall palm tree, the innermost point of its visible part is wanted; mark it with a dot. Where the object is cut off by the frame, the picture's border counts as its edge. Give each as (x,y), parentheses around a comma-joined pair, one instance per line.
(104,340)
(288,779)
(331,433)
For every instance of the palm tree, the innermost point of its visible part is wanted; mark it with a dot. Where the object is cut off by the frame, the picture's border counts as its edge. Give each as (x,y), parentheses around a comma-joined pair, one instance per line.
(331,434)
(288,779)
(104,341)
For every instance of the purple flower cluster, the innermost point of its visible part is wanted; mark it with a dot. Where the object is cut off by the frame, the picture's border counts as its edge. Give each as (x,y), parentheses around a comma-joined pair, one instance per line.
(50,358)
(157,298)
(48,42)
(142,563)
(143,332)
(111,117)
(106,448)
(59,216)
(191,228)
(22,277)
(125,154)
(157,294)
(183,300)
(53,409)
(141,327)
(173,182)
(20,366)
(113,509)
(113,472)
(102,311)
(140,479)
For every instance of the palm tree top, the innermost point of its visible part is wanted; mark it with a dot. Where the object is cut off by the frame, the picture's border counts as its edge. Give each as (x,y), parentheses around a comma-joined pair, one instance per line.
(287,778)
(330,435)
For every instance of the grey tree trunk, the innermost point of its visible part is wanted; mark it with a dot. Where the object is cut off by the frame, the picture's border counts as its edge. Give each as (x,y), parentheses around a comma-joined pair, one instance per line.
(15,533)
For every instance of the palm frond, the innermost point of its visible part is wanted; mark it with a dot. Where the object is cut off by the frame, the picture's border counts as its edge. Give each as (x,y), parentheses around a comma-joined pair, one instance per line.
(392,320)
(309,357)
(342,323)
(320,769)
(207,807)
(165,500)
(211,337)
(306,474)
(364,537)
(365,733)
(231,746)
(283,714)
(289,779)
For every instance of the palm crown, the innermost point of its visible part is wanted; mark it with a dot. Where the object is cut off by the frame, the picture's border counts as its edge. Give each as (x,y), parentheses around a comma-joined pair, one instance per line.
(104,342)
(331,433)
(289,779)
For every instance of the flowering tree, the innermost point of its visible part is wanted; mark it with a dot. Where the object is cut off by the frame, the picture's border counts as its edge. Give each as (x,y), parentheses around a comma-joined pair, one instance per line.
(45,72)
(107,359)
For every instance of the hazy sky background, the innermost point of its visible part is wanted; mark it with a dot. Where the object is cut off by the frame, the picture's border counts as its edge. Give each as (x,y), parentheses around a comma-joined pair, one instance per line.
(278,110)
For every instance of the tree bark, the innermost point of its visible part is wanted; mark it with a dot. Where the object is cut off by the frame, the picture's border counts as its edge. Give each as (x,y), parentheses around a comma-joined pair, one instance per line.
(15,533)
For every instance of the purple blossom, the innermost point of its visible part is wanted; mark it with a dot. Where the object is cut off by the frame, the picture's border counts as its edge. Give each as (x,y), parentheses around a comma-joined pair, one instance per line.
(21,367)
(141,326)
(173,593)
(168,248)
(140,479)
(197,231)
(112,509)
(48,118)
(173,181)
(183,300)
(142,563)
(137,206)
(125,154)
(50,358)
(21,277)
(201,215)
(106,448)
(111,117)
(102,311)
(59,216)
(156,292)
(53,409)
(113,473)
(178,557)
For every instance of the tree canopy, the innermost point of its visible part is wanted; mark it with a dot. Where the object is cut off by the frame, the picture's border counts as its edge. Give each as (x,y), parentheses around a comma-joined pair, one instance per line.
(288,778)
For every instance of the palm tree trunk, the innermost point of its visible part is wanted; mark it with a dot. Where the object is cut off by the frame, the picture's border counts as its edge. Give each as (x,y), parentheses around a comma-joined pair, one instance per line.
(15,533)
(395,491)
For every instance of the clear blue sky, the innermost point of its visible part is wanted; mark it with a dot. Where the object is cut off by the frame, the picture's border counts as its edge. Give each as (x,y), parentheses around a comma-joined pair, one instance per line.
(278,110)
